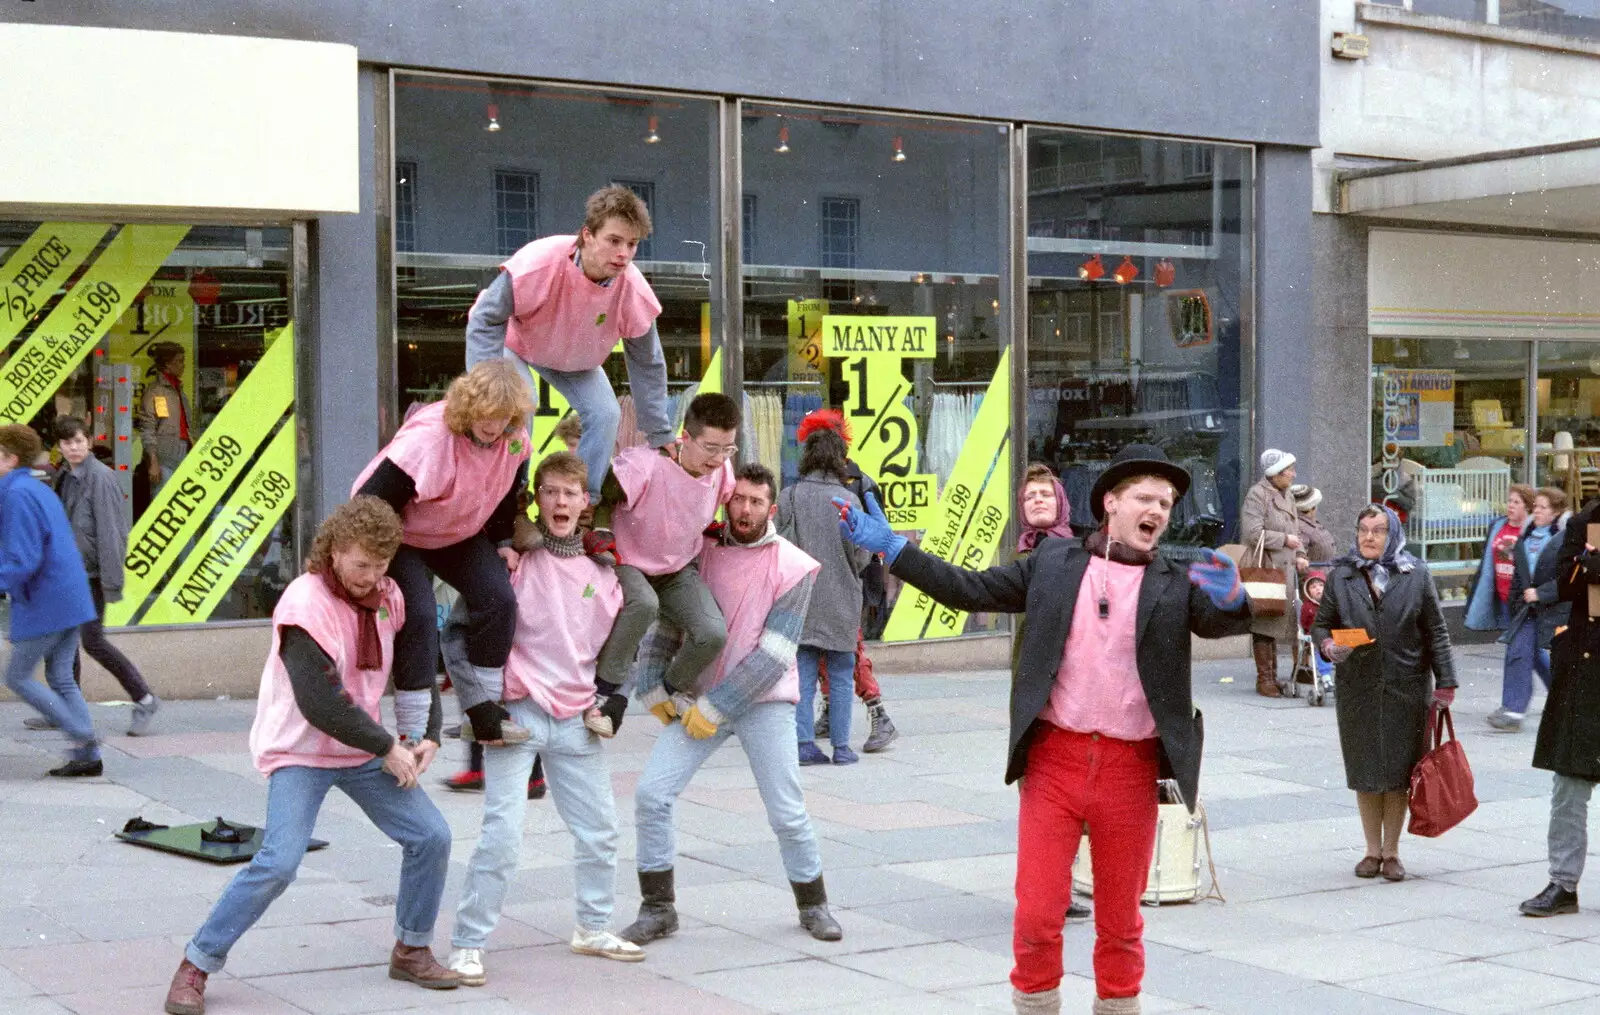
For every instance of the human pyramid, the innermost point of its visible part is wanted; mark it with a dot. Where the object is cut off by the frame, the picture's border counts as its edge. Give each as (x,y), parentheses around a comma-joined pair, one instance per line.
(547,637)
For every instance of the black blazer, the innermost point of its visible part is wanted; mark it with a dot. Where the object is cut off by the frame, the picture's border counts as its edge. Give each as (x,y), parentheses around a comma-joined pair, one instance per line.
(1550,612)
(1044,586)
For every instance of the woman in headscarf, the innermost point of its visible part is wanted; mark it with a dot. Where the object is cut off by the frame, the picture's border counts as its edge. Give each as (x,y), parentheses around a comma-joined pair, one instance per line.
(1383,596)
(1042,506)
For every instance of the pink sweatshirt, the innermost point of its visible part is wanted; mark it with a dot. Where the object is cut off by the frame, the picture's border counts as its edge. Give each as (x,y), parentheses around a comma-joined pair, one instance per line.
(659,530)
(563,321)
(1097,688)
(565,609)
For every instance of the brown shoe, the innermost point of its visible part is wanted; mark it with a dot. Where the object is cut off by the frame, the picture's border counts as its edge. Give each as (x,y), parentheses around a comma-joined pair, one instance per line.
(187,995)
(1266,653)
(1369,867)
(1393,869)
(417,965)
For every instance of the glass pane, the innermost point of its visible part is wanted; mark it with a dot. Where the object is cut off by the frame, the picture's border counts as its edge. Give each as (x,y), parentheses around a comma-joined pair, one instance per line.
(889,227)
(171,346)
(493,166)
(1465,10)
(1563,17)
(1569,417)
(1138,294)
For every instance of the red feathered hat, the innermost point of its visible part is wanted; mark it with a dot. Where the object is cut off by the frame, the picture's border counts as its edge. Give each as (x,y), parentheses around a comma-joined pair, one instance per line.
(823,419)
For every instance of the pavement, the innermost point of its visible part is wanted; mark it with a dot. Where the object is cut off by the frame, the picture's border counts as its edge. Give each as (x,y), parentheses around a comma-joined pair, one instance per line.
(918,848)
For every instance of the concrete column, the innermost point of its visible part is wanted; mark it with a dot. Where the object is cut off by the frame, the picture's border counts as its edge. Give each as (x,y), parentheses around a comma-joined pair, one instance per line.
(1339,402)
(1283,347)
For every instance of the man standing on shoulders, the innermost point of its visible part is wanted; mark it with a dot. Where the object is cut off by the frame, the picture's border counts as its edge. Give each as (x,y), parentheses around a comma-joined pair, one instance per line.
(763,584)
(93,501)
(318,726)
(1101,707)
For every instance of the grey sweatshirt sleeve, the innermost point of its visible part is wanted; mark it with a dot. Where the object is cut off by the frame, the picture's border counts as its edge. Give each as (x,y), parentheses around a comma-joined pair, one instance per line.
(647,382)
(321,697)
(757,673)
(486,322)
(110,532)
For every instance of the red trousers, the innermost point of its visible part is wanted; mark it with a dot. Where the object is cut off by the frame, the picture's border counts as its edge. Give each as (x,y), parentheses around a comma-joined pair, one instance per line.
(1073,779)
(866,683)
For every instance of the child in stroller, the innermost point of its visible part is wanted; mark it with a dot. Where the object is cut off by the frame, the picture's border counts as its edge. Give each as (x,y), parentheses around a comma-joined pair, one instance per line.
(1309,666)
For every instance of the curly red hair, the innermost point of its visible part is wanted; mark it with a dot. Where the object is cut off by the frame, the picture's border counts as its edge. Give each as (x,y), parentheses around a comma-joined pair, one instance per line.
(823,419)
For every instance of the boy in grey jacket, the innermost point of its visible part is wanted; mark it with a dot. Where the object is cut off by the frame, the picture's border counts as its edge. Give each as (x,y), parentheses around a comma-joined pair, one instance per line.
(93,501)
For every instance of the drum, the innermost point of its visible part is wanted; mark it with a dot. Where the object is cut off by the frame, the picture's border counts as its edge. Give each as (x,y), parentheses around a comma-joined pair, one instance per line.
(1174,867)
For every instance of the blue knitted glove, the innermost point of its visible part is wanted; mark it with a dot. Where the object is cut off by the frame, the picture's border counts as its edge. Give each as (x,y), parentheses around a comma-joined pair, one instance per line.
(1218,578)
(869,528)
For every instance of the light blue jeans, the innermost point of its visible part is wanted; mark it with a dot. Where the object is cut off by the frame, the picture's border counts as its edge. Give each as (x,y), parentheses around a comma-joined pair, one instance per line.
(294,796)
(841,691)
(1569,829)
(765,732)
(579,778)
(58,698)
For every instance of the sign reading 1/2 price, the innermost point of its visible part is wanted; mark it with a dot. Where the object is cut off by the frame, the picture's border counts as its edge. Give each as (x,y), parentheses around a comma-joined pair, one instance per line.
(871,350)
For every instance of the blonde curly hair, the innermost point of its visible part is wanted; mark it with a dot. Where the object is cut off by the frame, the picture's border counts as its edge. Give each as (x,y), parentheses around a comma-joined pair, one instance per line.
(363,521)
(491,390)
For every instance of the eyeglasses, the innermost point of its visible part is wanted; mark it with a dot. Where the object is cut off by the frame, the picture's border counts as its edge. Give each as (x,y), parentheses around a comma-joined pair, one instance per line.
(716,450)
(1381,533)
(560,492)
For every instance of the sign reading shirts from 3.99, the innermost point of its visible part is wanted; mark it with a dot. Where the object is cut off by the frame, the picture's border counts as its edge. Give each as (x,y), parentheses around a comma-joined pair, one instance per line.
(196,488)
(972,513)
(871,350)
(81,318)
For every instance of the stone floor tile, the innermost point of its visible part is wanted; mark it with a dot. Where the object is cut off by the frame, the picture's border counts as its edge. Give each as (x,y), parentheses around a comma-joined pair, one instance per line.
(268,951)
(1475,937)
(1337,958)
(351,991)
(1574,960)
(935,967)
(95,965)
(705,949)
(996,872)
(797,986)
(225,995)
(952,918)
(1481,988)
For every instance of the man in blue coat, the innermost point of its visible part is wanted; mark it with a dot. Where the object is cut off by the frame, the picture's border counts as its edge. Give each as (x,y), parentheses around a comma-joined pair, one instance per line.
(42,574)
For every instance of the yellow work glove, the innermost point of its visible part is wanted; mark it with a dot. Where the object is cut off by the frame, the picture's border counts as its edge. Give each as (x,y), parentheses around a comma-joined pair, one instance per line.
(702,720)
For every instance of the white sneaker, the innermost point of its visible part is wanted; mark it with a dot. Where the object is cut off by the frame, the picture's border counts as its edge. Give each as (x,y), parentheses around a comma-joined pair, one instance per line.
(468,964)
(604,944)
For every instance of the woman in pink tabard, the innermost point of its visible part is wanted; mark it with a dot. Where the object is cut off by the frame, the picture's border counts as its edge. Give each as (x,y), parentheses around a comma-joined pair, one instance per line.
(319,726)
(561,304)
(455,473)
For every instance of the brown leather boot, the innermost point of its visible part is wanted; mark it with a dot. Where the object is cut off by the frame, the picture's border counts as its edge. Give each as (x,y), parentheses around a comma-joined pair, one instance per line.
(417,965)
(1266,652)
(187,995)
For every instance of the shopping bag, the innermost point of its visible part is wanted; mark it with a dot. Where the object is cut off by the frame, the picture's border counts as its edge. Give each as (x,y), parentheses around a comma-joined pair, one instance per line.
(1441,784)
(1268,587)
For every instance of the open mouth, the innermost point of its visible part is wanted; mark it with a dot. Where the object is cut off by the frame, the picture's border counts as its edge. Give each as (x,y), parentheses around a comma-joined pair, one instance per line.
(1149,529)
(560,518)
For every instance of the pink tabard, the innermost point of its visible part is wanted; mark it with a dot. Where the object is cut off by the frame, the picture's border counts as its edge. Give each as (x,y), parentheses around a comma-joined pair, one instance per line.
(659,529)
(281,736)
(1097,689)
(565,608)
(746,581)
(458,483)
(563,321)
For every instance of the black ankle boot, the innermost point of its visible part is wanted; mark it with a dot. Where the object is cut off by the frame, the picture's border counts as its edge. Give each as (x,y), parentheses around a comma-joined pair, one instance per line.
(1553,901)
(812,899)
(658,917)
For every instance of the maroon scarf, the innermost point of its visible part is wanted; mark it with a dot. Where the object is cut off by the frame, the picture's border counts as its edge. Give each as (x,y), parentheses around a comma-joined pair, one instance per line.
(1121,553)
(369,649)
(1030,537)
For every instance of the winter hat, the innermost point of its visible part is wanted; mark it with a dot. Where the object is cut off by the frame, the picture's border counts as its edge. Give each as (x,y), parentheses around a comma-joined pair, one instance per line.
(1274,461)
(1305,497)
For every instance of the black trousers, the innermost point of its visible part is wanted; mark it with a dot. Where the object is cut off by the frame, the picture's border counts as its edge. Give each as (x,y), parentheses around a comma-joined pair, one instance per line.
(472,568)
(94,641)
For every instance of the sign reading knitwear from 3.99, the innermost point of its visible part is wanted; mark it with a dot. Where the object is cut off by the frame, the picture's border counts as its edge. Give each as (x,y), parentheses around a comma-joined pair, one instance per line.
(237,531)
(971,515)
(31,275)
(187,498)
(32,375)
(872,349)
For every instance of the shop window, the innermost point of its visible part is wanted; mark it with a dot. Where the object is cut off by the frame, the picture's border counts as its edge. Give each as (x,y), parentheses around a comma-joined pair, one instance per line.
(173,344)
(405,205)
(646,192)
(841,231)
(516,210)
(747,205)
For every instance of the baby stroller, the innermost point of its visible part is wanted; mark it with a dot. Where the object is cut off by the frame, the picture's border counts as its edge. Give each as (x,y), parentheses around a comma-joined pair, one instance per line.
(1310,668)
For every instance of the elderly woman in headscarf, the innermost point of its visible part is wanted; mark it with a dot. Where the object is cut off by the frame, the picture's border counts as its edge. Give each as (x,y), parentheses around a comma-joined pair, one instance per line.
(1268,520)
(1042,506)
(1380,624)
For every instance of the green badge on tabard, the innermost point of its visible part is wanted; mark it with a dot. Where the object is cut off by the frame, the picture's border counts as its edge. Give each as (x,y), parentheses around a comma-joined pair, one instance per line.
(601,319)
(383,613)
(515,447)
(588,591)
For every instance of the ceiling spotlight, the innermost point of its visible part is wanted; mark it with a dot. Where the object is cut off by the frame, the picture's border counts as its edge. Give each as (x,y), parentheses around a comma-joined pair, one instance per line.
(783,141)
(1092,269)
(899,151)
(494,119)
(653,137)
(1126,272)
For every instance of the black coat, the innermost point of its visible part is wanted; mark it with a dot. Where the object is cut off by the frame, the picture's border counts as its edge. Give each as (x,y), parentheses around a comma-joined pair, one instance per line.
(1569,731)
(1551,611)
(1384,689)
(1044,586)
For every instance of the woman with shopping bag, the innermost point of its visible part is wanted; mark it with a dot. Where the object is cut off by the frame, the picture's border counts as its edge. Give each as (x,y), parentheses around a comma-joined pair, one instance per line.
(1381,626)
(1269,529)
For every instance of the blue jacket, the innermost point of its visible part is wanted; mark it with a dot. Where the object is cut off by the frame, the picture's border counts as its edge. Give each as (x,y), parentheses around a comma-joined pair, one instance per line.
(1485,611)
(40,568)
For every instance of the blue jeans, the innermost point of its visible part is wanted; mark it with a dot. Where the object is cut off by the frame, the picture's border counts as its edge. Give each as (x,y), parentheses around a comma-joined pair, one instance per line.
(294,796)
(840,689)
(1524,658)
(580,781)
(58,698)
(763,732)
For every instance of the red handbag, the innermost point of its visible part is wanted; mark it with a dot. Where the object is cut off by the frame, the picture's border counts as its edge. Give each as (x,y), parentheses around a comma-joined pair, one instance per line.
(1441,784)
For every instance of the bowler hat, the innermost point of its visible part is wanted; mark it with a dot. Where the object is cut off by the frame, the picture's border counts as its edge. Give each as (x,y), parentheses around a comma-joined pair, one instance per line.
(1133,461)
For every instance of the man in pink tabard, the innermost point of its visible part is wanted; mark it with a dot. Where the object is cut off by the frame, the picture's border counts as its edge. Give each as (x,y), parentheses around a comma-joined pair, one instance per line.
(560,305)
(319,726)
(1101,707)
(566,604)
(455,473)
(763,584)
(661,503)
